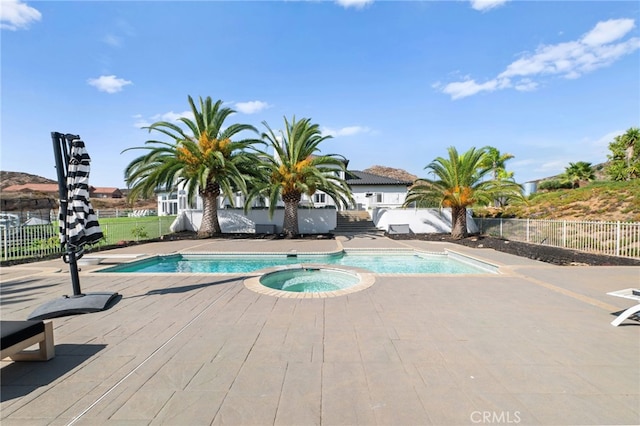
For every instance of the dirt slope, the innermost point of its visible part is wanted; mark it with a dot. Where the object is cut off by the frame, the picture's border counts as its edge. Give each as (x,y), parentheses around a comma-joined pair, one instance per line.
(19,178)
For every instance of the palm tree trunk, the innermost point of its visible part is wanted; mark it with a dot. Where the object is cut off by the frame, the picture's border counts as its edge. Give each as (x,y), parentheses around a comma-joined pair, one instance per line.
(458,222)
(629,153)
(290,225)
(496,202)
(210,225)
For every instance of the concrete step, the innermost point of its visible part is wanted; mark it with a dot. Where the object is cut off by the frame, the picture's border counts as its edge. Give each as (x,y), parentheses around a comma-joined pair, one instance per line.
(353,215)
(351,231)
(355,222)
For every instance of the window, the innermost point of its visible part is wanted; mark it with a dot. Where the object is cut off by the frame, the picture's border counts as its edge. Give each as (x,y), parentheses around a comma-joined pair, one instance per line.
(378,197)
(319,198)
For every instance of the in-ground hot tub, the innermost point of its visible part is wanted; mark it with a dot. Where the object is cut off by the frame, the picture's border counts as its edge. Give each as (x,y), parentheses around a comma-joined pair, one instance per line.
(305,281)
(309,280)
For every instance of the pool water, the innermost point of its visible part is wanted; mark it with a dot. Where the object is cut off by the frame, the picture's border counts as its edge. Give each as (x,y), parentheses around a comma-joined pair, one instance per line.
(376,262)
(409,263)
(309,280)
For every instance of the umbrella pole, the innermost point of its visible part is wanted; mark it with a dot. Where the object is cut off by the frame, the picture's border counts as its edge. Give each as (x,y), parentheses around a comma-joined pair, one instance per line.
(75,278)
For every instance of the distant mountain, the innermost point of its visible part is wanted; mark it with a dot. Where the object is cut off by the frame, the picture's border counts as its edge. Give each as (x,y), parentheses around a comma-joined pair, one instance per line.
(18,201)
(392,173)
(19,178)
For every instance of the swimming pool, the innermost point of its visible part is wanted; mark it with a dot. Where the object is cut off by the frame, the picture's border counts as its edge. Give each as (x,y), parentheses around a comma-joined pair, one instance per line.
(399,262)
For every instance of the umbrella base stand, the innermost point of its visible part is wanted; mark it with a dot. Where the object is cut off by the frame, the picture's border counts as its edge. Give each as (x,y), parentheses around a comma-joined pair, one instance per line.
(73,305)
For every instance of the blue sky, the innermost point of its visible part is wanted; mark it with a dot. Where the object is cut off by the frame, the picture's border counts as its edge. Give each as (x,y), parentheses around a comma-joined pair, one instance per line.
(395,83)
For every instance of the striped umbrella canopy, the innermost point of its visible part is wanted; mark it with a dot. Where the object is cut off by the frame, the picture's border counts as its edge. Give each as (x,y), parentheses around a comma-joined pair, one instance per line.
(79,224)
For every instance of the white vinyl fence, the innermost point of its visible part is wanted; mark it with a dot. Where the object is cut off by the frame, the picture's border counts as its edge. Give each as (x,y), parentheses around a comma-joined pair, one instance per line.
(17,242)
(38,241)
(608,238)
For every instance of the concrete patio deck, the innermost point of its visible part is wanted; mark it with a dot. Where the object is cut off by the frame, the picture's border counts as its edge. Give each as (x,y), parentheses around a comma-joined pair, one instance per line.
(532,345)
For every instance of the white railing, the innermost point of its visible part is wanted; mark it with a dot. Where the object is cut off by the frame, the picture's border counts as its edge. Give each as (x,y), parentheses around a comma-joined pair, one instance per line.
(36,241)
(608,238)
(39,241)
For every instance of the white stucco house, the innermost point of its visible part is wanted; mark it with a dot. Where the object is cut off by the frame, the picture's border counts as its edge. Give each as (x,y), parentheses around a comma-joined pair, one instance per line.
(369,191)
(372,191)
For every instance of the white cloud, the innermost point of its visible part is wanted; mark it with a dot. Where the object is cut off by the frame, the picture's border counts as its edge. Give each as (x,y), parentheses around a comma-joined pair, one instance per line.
(596,49)
(124,27)
(112,40)
(552,167)
(483,5)
(525,85)
(170,117)
(119,32)
(108,83)
(15,15)
(515,164)
(595,150)
(608,31)
(605,140)
(345,131)
(173,116)
(462,89)
(251,107)
(141,121)
(356,4)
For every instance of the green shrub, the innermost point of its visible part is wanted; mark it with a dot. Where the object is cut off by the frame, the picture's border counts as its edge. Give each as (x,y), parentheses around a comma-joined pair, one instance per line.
(139,232)
(554,184)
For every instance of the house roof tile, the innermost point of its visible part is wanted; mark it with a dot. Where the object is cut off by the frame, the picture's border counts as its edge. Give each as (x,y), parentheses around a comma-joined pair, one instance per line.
(356,177)
(48,188)
(41,187)
(105,190)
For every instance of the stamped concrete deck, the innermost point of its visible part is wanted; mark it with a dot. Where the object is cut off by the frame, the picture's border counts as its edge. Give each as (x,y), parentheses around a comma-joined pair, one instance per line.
(533,345)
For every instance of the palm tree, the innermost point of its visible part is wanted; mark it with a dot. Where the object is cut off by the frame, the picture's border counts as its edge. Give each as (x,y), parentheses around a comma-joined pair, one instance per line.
(205,160)
(624,160)
(295,169)
(580,171)
(630,139)
(494,160)
(458,183)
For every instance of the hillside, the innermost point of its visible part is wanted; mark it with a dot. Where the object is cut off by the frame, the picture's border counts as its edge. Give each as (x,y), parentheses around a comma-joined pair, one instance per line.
(391,173)
(606,201)
(19,178)
(30,201)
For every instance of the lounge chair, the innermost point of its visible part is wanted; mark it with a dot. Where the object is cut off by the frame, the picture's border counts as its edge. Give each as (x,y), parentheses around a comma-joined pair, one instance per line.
(627,293)
(400,228)
(20,335)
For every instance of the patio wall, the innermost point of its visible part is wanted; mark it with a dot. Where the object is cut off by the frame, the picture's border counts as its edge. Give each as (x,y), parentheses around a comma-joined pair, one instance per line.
(421,221)
(310,221)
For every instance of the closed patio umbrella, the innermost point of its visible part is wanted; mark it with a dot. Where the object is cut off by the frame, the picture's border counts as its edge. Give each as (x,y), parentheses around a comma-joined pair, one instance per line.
(78,227)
